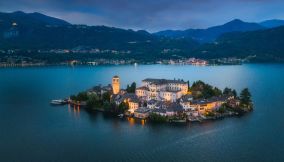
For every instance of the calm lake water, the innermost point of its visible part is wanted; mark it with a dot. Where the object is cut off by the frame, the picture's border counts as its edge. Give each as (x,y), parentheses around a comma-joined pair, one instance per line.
(32,130)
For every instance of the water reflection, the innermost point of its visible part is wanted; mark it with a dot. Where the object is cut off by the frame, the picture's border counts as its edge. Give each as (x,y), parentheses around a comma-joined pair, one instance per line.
(143,122)
(75,112)
(69,108)
(131,121)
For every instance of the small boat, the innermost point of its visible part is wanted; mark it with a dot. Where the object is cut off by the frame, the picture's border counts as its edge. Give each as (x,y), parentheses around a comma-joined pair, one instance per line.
(58,102)
(120,115)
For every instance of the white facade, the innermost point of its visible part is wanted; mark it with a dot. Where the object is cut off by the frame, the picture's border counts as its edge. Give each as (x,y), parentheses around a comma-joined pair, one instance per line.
(162,90)
(186,105)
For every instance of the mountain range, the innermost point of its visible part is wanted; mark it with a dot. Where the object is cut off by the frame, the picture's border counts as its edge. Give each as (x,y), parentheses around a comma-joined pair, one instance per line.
(27,19)
(272,23)
(212,33)
(36,31)
(33,31)
(264,45)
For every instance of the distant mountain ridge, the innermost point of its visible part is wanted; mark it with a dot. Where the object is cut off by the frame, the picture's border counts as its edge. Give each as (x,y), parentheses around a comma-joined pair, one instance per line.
(264,45)
(212,33)
(35,31)
(272,23)
(29,19)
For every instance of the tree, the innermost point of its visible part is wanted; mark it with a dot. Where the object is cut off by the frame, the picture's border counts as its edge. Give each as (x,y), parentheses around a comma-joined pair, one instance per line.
(93,101)
(91,104)
(201,90)
(131,88)
(156,118)
(93,97)
(122,107)
(73,97)
(245,97)
(222,109)
(82,96)
(217,91)
(197,86)
(188,86)
(227,91)
(106,96)
(112,106)
(106,106)
(235,94)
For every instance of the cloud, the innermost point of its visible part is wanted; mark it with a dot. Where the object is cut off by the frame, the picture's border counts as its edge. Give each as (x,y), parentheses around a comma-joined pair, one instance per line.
(152,15)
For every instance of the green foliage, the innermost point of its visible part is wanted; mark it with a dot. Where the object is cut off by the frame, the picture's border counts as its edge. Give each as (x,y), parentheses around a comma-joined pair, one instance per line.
(201,90)
(235,93)
(106,96)
(106,106)
(82,96)
(122,107)
(210,114)
(109,106)
(217,91)
(91,103)
(222,109)
(94,101)
(131,88)
(189,89)
(229,91)
(73,97)
(245,97)
(156,118)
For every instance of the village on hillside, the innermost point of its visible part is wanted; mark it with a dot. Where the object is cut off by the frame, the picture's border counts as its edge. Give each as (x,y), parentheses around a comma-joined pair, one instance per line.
(163,100)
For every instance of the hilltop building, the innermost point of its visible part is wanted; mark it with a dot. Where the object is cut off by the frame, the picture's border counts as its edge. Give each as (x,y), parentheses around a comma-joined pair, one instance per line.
(162,89)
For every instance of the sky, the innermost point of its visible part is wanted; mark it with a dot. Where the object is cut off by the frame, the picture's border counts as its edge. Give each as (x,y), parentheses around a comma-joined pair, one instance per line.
(151,15)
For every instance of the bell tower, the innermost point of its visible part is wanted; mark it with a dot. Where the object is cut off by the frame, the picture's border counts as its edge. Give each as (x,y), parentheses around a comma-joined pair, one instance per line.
(115,85)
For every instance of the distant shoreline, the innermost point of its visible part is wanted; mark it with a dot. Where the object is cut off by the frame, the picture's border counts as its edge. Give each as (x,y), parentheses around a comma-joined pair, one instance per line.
(87,65)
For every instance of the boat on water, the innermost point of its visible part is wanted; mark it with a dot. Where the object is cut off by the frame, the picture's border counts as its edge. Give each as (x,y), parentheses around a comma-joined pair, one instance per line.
(58,102)
(120,115)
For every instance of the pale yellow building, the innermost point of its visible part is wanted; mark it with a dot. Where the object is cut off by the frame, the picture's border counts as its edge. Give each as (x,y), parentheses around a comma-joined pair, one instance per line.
(203,105)
(133,105)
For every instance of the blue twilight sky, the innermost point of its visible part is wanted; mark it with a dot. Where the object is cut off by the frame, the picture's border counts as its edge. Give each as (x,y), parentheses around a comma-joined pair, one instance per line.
(151,15)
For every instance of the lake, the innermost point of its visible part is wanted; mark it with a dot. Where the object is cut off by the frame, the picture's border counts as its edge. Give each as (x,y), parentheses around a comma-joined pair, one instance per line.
(32,130)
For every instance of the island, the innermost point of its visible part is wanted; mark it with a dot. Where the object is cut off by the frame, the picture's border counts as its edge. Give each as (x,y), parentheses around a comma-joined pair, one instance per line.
(163,100)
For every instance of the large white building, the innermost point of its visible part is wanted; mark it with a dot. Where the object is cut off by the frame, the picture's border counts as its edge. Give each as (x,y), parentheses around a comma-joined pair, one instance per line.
(162,89)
